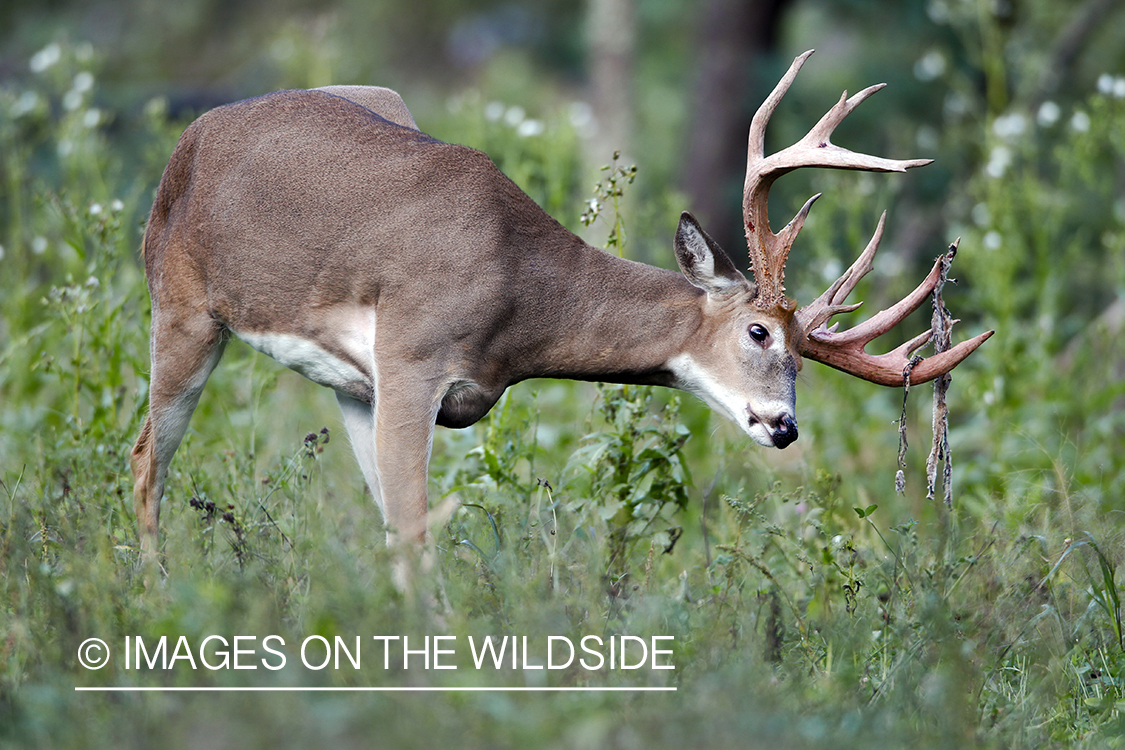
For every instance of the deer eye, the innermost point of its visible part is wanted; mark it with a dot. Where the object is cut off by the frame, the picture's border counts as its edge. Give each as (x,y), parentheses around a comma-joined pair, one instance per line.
(759,333)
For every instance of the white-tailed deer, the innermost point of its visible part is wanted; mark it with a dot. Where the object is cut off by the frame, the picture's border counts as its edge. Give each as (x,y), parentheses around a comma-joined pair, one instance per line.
(418,282)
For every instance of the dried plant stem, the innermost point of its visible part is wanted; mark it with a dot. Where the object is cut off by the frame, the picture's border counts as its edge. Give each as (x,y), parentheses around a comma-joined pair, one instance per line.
(942,337)
(900,475)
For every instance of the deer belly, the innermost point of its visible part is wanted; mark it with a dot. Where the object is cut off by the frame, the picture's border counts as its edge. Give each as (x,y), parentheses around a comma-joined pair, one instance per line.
(315,361)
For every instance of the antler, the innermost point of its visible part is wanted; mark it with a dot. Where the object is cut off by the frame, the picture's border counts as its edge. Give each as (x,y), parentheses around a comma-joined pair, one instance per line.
(768,251)
(844,350)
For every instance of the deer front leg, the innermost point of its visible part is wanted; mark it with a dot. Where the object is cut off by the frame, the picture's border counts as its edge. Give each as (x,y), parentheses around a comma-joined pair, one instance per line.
(405,414)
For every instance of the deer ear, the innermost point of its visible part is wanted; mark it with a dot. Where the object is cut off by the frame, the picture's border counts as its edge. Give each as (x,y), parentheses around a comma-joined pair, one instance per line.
(702,260)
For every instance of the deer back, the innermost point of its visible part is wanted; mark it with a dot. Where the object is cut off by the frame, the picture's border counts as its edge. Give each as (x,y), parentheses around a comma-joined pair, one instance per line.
(301,210)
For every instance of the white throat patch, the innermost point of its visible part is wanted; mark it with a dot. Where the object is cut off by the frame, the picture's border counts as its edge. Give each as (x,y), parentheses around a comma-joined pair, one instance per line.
(693,378)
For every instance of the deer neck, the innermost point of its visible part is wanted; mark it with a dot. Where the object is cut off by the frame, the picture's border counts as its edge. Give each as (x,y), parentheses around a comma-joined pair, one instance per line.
(610,320)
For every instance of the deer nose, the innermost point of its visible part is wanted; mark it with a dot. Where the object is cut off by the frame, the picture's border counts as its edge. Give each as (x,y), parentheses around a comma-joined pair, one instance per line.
(785,432)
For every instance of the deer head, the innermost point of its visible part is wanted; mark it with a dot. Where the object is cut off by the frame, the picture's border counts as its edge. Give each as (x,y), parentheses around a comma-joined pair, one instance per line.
(767,334)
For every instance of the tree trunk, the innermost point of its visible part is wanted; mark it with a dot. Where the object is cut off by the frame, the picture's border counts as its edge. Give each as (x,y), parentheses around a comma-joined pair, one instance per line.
(733,38)
(611,26)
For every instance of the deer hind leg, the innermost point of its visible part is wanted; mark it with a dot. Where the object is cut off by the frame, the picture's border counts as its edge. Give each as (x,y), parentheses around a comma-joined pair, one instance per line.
(184,352)
(359,420)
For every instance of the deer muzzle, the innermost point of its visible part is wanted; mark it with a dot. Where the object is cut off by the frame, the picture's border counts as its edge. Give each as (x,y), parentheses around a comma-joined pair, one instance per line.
(776,431)
(784,432)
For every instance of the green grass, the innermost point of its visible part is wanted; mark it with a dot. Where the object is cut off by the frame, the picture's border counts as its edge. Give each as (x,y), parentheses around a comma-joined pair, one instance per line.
(811,606)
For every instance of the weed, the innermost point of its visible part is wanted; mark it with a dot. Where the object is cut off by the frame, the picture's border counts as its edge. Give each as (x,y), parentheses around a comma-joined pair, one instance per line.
(611,188)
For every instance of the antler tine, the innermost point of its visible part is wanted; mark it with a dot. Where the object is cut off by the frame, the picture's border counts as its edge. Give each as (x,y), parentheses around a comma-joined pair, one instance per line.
(827,154)
(885,320)
(888,369)
(769,251)
(822,131)
(757,142)
(760,241)
(844,350)
(831,302)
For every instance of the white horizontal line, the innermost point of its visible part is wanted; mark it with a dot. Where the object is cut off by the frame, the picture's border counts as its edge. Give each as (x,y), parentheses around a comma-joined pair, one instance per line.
(390,689)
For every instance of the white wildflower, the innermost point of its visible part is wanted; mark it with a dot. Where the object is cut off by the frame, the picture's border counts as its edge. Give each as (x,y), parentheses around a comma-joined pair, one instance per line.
(955,105)
(930,66)
(45,58)
(27,102)
(927,138)
(1010,125)
(999,159)
(529,128)
(84,81)
(72,100)
(514,116)
(493,111)
(1048,114)
(581,115)
(157,107)
(982,217)
(938,11)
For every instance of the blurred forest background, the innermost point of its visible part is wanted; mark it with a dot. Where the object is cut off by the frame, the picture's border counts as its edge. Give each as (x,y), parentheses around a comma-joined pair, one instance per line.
(802,619)
(672,84)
